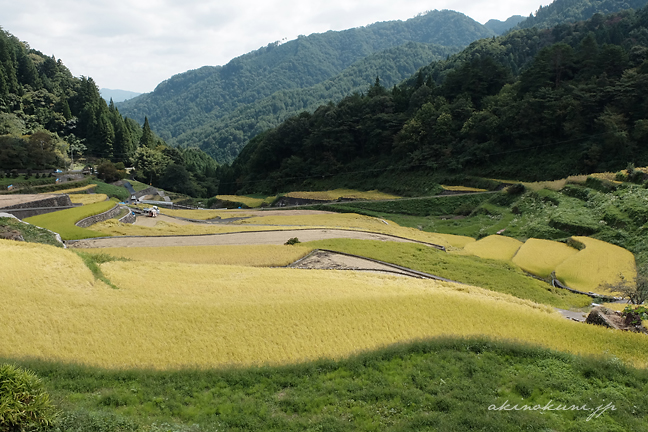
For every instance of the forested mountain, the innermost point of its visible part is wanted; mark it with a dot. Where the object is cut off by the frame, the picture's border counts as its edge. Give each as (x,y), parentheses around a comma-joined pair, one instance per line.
(569,11)
(500,27)
(223,138)
(48,115)
(531,105)
(41,100)
(199,98)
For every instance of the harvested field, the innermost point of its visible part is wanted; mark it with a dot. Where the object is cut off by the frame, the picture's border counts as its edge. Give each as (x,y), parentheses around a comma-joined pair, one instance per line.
(17,199)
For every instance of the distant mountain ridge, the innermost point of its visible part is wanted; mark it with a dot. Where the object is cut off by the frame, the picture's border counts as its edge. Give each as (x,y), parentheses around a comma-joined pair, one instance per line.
(197,99)
(117,95)
(500,27)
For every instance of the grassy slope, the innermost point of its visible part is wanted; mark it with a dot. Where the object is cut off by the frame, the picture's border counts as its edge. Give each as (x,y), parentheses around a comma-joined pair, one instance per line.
(490,274)
(30,233)
(63,221)
(444,384)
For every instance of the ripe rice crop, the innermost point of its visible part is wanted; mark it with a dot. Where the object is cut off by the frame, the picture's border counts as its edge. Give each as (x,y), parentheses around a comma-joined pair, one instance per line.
(541,257)
(462,189)
(494,247)
(456,241)
(63,221)
(173,315)
(332,195)
(597,264)
(74,190)
(86,199)
(114,228)
(248,201)
(245,255)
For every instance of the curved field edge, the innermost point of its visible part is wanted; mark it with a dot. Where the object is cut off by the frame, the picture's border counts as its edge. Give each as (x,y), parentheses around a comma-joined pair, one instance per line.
(597,264)
(63,221)
(442,383)
(174,315)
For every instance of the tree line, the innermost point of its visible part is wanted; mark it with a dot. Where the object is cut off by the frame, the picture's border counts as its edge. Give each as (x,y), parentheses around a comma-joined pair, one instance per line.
(530,105)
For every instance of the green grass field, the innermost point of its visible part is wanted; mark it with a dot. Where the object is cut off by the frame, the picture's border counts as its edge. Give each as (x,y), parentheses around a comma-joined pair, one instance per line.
(443,384)
(63,221)
(494,275)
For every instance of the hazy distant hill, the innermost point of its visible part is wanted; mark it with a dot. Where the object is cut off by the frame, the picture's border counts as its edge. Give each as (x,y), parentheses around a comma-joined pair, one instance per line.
(500,27)
(197,99)
(117,95)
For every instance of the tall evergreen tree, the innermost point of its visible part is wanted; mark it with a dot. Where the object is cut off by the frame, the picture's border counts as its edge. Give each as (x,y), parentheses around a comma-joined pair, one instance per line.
(147,139)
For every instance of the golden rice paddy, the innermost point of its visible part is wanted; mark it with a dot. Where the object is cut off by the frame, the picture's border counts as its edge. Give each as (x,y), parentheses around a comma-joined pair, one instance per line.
(73,190)
(248,201)
(170,315)
(462,189)
(87,198)
(599,263)
(494,247)
(245,255)
(332,195)
(541,257)
(200,214)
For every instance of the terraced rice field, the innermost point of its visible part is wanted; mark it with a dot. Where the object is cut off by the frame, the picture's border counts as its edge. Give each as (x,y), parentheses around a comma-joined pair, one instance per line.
(169,315)
(494,247)
(332,195)
(87,198)
(541,257)
(259,255)
(248,201)
(63,221)
(597,264)
(74,190)
(462,189)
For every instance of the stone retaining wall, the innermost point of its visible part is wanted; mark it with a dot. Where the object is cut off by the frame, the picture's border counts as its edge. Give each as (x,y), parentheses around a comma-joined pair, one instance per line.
(52,201)
(148,191)
(85,223)
(129,218)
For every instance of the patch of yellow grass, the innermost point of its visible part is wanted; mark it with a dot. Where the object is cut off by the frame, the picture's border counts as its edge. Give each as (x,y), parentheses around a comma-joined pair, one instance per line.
(88,198)
(541,257)
(494,247)
(597,264)
(173,315)
(332,195)
(462,189)
(248,201)
(73,190)
(244,255)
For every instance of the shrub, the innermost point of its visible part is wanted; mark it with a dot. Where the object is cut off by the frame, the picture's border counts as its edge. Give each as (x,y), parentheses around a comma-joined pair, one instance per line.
(292,241)
(24,404)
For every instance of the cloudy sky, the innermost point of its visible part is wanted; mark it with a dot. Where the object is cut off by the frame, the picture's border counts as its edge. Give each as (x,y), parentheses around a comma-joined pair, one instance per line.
(135,44)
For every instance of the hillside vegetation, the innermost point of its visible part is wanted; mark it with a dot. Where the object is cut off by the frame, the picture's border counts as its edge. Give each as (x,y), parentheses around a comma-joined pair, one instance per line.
(187,108)
(531,105)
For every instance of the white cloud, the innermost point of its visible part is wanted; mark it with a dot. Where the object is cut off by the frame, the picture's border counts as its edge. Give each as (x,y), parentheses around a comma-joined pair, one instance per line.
(136,44)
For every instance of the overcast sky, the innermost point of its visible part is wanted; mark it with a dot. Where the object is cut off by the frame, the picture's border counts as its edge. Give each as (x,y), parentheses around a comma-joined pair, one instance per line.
(135,44)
